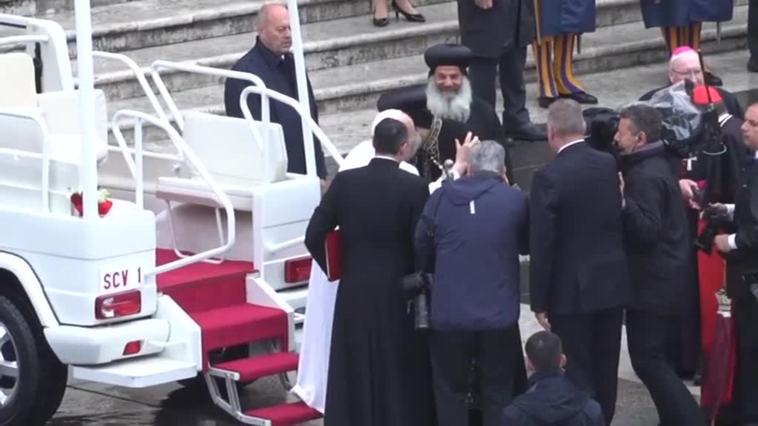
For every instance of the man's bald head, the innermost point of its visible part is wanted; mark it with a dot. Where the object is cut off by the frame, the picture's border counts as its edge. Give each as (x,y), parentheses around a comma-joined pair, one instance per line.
(273,28)
(685,65)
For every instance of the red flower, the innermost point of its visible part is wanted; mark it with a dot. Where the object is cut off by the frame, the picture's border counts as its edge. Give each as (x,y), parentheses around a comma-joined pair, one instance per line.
(103,205)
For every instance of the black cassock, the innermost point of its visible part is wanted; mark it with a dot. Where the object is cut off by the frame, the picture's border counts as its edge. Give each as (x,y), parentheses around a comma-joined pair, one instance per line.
(482,122)
(379,371)
(721,172)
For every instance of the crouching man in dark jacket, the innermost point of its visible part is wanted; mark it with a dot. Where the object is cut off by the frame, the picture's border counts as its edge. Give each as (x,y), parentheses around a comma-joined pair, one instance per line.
(475,228)
(551,398)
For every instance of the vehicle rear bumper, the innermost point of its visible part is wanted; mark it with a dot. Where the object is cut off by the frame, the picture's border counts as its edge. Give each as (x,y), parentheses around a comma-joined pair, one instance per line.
(104,344)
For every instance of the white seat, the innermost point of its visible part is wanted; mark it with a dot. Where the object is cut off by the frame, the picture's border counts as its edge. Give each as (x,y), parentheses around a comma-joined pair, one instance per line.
(233,157)
(196,191)
(27,120)
(238,154)
(17,86)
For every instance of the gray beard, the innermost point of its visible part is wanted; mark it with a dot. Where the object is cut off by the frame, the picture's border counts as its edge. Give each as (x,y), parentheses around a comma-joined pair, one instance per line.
(453,106)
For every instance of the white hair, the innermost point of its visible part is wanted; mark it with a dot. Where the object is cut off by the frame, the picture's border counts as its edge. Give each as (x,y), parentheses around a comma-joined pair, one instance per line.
(394,114)
(487,156)
(453,106)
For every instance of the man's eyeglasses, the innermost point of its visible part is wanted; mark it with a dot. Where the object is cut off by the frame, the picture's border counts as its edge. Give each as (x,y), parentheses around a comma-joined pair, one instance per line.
(694,71)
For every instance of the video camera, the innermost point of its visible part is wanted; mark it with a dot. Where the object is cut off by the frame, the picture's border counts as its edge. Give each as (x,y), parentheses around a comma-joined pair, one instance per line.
(416,288)
(689,129)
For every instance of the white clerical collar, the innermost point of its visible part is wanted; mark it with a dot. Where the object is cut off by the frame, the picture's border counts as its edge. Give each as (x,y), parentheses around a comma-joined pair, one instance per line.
(755,156)
(723,118)
(569,144)
(386,157)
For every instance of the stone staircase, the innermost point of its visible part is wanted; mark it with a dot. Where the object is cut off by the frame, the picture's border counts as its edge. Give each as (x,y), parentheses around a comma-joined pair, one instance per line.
(350,62)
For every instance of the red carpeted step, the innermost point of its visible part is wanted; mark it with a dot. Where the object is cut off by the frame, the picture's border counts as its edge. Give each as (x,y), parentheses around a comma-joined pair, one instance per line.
(254,368)
(203,286)
(286,414)
(238,324)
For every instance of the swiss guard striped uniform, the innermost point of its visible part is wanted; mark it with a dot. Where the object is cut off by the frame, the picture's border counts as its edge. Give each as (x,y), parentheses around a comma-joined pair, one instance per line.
(681,20)
(559,25)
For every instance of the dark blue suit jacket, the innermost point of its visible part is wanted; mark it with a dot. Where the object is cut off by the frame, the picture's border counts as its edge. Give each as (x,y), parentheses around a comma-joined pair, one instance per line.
(278,74)
(566,16)
(677,13)
(577,259)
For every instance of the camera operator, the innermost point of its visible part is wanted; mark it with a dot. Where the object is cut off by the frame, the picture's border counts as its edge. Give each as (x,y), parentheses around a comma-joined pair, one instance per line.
(475,227)
(742,273)
(657,245)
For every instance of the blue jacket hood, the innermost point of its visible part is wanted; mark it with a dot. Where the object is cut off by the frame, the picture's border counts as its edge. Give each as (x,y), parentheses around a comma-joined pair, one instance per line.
(468,188)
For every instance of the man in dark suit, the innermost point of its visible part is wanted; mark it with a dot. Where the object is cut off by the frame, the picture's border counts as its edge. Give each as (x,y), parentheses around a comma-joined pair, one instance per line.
(474,228)
(657,247)
(378,369)
(271,60)
(741,248)
(498,32)
(578,272)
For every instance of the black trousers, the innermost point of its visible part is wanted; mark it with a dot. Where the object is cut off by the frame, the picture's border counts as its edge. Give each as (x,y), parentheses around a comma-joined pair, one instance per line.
(647,336)
(746,321)
(454,355)
(511,63)
(592,343)
(752,29)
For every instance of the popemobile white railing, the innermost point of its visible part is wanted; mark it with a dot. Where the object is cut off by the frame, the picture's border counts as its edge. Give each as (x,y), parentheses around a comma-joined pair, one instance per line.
(135,166)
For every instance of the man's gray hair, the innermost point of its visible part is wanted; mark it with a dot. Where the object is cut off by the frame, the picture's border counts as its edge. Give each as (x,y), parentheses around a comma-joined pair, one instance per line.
(565,118)
(487,156)
(262,15)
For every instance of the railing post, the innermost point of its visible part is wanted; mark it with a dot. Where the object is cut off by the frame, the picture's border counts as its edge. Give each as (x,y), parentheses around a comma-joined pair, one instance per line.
(139,196)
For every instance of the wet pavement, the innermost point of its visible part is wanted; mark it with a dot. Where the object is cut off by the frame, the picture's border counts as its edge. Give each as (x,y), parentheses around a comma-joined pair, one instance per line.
(90,405)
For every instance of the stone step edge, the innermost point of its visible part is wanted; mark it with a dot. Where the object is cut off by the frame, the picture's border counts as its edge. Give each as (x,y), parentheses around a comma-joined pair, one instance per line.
(390,83)
(234,10)
(227,59)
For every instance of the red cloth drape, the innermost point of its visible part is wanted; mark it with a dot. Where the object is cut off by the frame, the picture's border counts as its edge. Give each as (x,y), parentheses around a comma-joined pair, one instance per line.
(718,336)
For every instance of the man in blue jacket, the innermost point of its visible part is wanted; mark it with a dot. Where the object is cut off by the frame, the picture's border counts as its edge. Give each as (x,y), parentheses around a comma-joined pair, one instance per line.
(551,399)
(475,228)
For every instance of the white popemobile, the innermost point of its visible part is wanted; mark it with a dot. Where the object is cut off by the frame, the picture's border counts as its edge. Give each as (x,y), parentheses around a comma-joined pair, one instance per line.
(129,290)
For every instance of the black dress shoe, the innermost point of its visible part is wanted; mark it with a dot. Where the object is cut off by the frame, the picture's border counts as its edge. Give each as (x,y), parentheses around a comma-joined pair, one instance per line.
(527,132)
(712,79)
(582,98)
(544,101)
(752,65)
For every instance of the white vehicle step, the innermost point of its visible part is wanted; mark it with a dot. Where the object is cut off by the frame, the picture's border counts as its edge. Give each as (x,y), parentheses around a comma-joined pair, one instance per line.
(137,373)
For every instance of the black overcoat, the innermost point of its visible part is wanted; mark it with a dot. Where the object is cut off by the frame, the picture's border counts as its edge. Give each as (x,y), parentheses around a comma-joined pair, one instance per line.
(656,237)
(378,371)
(278,74)
(577,261)
(509,24)
(679,13)
(745,258)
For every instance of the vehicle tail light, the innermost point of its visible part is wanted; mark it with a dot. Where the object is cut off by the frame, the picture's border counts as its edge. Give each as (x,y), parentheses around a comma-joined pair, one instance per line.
(297,270)
(133,347)
(117,305)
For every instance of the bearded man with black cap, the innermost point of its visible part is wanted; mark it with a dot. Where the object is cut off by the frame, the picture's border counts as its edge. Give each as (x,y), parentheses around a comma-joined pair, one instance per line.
(448,91)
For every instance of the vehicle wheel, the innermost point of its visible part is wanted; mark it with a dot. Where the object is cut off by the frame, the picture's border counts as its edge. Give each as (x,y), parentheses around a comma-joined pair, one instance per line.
(26,392)
(55,376)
